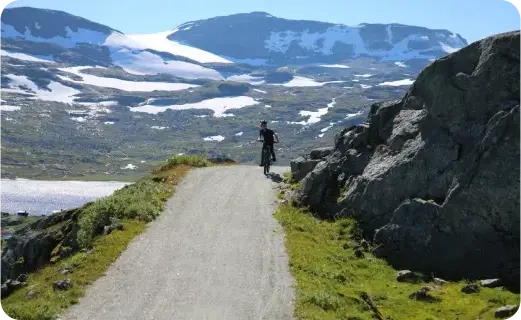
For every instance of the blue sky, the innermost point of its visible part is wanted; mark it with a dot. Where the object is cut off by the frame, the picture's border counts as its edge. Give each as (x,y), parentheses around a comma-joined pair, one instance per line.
(473,19)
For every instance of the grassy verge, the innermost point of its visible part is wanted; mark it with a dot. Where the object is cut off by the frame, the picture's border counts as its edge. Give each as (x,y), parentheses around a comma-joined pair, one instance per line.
(133,205)
(333,282)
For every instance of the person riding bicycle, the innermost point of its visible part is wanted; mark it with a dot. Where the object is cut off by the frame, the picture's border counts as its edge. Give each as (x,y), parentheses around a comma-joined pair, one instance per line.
(268,138)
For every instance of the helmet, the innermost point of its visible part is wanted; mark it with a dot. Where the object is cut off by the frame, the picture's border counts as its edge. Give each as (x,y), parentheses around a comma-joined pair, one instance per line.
(264,122)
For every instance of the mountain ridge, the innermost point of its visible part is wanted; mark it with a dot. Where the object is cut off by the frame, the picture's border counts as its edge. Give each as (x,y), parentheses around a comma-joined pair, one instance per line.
(276,40)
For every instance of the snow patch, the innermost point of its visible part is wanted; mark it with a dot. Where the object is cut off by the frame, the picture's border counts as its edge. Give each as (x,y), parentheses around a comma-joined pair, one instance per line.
(324,42)
(57,91)
(158,127)
(239,134)
(140,86)
(148,63)
(26,57)
(314,116)
(160,42)
(218,138)
(4,107)
(365,86)
(218,105)
(338,66)
(400,64)
(324,130)
(129,166)
(261,91)
(79,119)
(363,75)
(298,81)
(352,115)
(398,83)
(108,122)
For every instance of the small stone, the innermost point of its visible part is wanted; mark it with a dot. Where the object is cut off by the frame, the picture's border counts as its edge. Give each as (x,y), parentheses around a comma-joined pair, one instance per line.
(505,311)
(31,293)
(15,284)
(22,277)
(359,253)
(491,283)
(364,244)
(423,295)
(470,288)
(65,271)
(439,281)
(408,276)
(107,230)
(62,284)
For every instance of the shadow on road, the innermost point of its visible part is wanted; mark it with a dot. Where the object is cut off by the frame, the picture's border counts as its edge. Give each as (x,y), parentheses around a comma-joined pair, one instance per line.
(275,177)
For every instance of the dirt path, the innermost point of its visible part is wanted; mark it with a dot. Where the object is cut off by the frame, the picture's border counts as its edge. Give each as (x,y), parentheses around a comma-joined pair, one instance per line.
(215,253)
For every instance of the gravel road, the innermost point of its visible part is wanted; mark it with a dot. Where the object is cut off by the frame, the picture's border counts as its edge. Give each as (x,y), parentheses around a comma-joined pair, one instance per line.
(215,253)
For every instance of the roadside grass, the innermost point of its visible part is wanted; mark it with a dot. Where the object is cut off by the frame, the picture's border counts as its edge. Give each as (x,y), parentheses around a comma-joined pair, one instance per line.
(39,301)
(134,206)
(333,283)
(103,177)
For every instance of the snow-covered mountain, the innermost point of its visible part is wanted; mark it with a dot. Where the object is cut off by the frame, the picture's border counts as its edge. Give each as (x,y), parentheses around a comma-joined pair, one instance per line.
(255,38)
(262,38)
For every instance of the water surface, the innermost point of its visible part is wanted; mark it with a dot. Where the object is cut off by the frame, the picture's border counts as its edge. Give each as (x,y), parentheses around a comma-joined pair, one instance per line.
(43,197)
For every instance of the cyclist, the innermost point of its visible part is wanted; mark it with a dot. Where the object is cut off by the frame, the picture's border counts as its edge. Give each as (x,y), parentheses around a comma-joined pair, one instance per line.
(268,138)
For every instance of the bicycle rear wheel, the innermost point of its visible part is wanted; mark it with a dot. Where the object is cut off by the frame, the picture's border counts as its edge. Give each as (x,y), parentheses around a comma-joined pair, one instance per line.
(267,161)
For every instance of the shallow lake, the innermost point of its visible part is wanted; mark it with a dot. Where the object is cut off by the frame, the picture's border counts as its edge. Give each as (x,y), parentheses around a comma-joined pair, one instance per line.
(43,197)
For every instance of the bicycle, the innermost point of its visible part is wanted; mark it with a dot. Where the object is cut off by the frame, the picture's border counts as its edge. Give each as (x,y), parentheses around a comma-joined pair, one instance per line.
(266,157)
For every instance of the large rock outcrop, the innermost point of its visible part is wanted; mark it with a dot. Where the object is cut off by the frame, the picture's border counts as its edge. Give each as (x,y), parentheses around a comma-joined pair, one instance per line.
(433,178)
(35,245)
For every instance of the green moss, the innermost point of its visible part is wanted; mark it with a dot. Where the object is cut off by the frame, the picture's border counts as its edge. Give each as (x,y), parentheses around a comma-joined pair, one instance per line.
(331,280)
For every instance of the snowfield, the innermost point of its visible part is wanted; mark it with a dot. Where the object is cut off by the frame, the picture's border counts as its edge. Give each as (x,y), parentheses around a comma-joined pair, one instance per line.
(140,86)
(58,92)
(314,116)
(26,57)
(323,43)
(4,107)
(219,106)
(298,81)
(145,62)
(324,130)
(160,42)
(337,66)
(397,83)
(218,138)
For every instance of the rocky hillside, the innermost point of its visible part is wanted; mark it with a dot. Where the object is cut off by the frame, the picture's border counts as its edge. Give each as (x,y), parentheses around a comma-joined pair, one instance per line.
(104,102)
(433,178)
(259,37)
